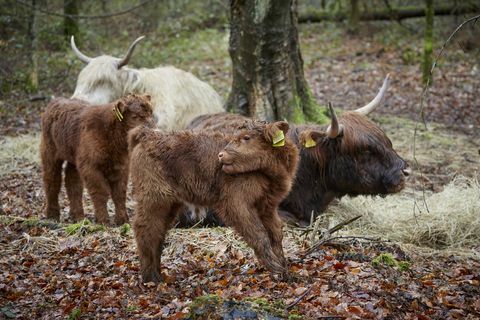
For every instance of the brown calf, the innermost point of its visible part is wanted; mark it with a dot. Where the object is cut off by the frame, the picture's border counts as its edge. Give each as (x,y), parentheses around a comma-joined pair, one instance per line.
(93,142)
(243,177)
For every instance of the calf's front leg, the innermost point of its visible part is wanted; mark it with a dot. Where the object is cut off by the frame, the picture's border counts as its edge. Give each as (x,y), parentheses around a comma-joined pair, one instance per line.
(99,189)
(119,197)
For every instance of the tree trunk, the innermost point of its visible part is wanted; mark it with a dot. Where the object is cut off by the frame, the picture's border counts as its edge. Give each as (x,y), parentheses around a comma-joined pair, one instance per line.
(268,80)
(70,25)
(428,45)
(353,17)
(32,81)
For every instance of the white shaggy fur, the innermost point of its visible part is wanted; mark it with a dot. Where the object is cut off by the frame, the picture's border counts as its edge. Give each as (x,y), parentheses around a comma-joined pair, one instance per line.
(177,96)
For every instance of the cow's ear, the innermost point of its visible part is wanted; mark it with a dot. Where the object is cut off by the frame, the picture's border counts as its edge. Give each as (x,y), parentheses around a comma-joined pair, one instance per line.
(311,138)
(275,133)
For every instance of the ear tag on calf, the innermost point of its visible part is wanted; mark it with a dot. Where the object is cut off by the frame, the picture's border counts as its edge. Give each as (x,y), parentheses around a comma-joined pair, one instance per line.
(310,143)
(118,113)
(279,139)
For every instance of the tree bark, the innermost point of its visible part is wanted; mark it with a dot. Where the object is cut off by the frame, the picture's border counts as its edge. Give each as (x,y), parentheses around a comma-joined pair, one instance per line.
(353,17)
(428,45)
(394,14)
(70,25)
(268,80)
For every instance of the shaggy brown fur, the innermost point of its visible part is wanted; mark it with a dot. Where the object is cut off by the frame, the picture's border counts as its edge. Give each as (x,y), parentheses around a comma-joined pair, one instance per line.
(359,161)
(93,142)
(243,177)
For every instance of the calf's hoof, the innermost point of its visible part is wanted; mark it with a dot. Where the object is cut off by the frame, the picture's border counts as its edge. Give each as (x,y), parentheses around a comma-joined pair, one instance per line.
(77,216)
(53,214)
(121,220)
(151,276)
(102,220)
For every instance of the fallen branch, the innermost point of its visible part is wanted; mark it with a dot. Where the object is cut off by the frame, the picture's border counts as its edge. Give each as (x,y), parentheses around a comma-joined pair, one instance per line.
(294,303)
(390,14)
(327,240)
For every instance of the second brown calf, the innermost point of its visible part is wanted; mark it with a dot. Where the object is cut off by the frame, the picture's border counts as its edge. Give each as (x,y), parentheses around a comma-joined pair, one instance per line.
(93,142)
(243,177)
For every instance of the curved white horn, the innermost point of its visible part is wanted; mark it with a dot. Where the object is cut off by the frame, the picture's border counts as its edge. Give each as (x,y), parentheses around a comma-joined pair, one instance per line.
(376,101)
(128,55)
(77,52)
(334,129)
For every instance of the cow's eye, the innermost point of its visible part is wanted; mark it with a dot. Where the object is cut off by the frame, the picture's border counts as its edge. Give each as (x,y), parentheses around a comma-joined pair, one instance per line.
(134,116)
(246,138)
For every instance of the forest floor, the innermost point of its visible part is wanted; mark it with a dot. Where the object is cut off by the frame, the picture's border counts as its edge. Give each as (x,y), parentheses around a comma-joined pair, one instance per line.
(79,271)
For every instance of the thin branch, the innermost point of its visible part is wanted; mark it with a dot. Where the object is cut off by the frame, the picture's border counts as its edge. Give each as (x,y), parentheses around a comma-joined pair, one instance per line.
(76,16)
(422,105)
(294,303)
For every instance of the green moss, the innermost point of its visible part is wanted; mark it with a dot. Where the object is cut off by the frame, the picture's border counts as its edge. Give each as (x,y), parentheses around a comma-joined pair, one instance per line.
(83,227)
(297,114)
(75,314)
(387,259)
(124,229)
(404,266)
(131,308)
(314,112)
(384,259)
(204,307)
(262,305)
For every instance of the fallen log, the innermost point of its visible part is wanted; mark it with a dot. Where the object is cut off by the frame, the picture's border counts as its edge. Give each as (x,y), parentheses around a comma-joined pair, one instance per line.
(394,14)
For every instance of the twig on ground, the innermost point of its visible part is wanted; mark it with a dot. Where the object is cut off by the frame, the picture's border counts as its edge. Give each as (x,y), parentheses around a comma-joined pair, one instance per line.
(327,240)
(300,297)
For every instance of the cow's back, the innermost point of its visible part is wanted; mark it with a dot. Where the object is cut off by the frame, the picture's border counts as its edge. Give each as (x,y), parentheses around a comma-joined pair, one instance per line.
(178,96)
(61,125)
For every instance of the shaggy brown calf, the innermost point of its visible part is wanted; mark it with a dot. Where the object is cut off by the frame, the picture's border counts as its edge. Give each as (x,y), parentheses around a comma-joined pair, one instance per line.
(93,142)
(243,177)
(357,158)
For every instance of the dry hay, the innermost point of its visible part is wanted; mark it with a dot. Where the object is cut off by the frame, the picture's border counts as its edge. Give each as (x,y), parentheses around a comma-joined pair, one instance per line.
(16,151)
(452,220)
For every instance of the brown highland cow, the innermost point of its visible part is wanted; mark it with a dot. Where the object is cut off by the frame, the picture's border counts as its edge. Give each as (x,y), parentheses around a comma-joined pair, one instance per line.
(243,177)
(93,142)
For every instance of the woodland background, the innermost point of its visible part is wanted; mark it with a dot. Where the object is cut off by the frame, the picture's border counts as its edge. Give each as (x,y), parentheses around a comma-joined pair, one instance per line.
(413,255)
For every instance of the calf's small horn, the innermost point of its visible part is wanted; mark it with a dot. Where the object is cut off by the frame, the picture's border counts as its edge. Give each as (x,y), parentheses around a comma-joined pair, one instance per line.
(365,110)
(77,52)
(334,129)
(128,55)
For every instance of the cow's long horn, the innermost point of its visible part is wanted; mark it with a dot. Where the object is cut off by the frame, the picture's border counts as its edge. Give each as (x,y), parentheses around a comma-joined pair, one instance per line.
(334,129)
(77,52)
(127,57)
(376,101)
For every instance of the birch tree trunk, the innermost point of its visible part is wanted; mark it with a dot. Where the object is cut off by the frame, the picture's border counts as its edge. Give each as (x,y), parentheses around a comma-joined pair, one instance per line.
(268,79)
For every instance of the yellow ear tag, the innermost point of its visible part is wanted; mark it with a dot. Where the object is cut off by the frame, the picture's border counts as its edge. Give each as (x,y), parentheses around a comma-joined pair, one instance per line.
(310,143)
(118,113)
(279,139)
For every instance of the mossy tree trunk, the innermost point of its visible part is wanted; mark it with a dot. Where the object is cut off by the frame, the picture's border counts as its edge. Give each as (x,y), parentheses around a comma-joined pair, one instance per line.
(428,45)
(32,80)
(353,17)
(268,79)
(70,24)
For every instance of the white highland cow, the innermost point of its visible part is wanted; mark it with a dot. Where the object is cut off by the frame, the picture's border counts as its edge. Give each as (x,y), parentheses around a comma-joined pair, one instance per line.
(177,96)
